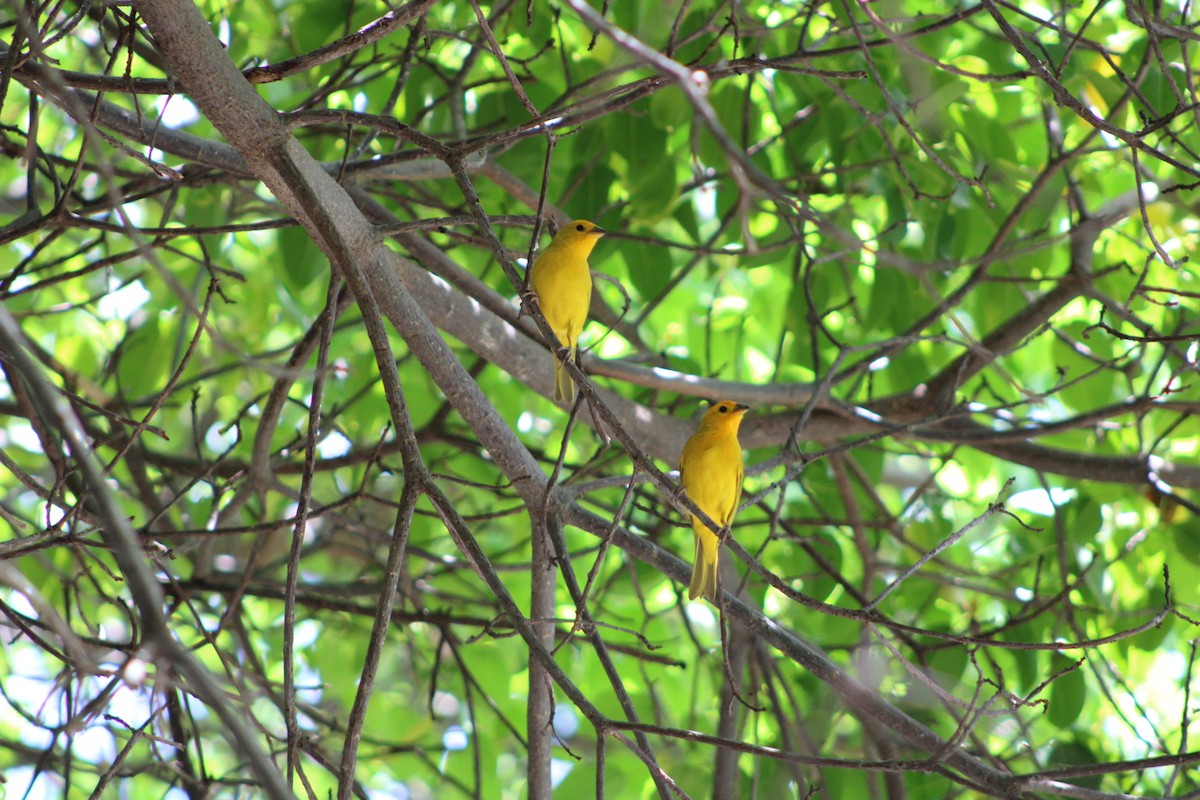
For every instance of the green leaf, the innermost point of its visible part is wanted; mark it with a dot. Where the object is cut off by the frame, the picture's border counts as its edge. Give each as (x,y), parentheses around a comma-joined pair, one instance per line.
(728,100)
(303,265)
(891,301)
(1067,694)
(646,267)
(1150,641)
(319,23)
(948,241)
(592,194)
(669,109)
(1029,662)
(145,358)
(653,192)
(1186,536)
(1074,753)
(1076,357)
(1086,516)
(846,782)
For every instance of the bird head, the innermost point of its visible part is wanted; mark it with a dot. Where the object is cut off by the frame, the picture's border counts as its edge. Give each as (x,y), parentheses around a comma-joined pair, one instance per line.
(579,235)
(723,415)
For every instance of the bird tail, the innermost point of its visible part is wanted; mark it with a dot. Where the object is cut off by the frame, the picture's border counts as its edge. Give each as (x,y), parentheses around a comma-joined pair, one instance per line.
(704,566)
(564,387)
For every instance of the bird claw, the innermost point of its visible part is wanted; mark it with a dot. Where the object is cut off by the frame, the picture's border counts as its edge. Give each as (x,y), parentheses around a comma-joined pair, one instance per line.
(677,495)
(528,298)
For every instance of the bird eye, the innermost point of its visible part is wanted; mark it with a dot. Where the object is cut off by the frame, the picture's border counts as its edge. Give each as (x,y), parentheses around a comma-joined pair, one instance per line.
(580,228)
(722,408)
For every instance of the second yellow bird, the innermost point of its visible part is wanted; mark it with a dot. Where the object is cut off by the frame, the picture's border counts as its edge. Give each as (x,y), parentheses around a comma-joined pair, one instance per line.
(562,280)
(711,471)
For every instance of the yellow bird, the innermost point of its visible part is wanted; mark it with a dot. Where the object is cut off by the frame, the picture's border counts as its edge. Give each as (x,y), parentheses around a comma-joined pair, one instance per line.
(562,281)
(711,469)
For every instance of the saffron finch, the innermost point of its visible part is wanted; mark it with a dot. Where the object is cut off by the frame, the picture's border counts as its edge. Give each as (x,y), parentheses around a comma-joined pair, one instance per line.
(711,470)
(562,281)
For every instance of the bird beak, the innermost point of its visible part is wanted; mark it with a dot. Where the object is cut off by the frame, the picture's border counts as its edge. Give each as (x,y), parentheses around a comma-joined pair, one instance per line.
(741,407)
(598,231)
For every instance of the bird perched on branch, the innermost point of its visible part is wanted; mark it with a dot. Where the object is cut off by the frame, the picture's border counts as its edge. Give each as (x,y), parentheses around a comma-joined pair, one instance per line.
(711,470)
(562,280)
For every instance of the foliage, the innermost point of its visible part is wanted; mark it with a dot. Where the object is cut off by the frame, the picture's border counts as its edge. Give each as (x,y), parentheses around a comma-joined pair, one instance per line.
(944,255)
